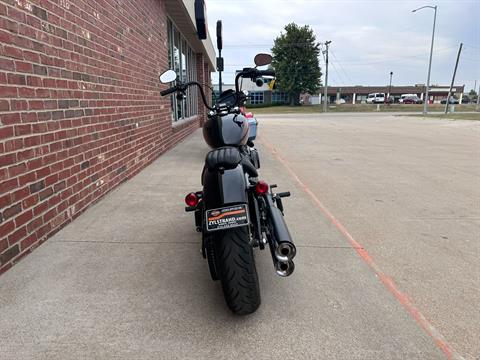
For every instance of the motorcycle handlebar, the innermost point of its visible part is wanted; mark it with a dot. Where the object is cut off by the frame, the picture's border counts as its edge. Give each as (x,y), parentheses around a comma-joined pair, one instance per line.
(252,73)
(266,72)
(183,88)
(247,72)
(168,91)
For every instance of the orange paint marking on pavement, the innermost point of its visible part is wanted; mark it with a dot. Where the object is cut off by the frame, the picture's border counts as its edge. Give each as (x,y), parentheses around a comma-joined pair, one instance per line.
(365,256)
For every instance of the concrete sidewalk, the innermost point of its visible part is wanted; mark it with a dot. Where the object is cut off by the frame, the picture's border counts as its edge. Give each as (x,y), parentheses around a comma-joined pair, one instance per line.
(126,280)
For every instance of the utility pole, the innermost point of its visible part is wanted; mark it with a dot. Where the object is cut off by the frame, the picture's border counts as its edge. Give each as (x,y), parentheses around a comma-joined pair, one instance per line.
(478,99)
(453,78)
(425,103)
(389,89)
(325,87)
(475,89)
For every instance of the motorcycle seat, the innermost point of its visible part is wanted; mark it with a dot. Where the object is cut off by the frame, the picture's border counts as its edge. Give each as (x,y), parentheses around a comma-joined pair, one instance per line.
(229,158)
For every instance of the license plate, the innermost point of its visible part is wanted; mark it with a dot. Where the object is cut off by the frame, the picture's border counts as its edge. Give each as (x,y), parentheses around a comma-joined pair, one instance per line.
(227,217)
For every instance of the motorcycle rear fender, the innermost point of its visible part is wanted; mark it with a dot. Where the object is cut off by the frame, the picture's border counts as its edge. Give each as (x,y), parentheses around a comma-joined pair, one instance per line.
(223,188)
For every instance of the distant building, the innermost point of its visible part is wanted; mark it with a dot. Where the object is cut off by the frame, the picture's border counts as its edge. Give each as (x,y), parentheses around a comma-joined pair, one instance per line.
(258,95)
(358,94)
(350,94)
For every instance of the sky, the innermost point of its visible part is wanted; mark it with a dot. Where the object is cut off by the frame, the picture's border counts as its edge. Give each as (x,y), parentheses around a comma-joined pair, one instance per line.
(369,38)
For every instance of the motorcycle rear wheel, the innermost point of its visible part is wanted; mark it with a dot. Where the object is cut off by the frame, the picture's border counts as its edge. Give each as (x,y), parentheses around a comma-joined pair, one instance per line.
(237,271)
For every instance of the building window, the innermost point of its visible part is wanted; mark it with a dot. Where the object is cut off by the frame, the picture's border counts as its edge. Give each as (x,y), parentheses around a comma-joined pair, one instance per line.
(181,58)
(279,97)
(256,97)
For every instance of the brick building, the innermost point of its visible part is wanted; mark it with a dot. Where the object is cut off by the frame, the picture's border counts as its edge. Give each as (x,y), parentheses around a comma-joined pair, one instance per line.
(80,105)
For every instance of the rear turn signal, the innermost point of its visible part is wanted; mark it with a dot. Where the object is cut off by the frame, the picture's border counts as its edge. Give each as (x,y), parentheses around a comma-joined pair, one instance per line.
(191,199)
(261,188)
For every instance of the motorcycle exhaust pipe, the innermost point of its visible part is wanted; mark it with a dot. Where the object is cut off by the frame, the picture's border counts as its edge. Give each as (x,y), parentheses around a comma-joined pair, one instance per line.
(285,251)
(284,268)
(284,248)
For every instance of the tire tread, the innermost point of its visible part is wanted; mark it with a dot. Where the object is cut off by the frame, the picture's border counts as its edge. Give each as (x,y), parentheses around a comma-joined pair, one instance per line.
(238,273)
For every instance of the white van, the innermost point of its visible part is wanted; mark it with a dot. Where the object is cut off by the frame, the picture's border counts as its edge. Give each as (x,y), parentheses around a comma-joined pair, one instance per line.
(403,96)
(376,98)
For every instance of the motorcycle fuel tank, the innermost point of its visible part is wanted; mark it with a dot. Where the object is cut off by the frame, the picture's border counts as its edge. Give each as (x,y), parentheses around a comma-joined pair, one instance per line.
(226,130)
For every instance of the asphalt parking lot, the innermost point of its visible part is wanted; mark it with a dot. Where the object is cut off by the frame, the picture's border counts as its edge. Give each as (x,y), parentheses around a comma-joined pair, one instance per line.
(385,214)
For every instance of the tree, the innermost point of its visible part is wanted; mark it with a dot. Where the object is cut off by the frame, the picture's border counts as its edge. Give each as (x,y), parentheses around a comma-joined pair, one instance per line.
(472,95)
(295,59)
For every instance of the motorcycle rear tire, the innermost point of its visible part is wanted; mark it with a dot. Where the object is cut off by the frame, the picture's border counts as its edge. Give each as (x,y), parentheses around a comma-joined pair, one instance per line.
(237,271)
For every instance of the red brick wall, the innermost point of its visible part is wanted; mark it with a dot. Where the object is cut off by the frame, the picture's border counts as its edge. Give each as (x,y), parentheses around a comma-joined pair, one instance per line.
(80,110)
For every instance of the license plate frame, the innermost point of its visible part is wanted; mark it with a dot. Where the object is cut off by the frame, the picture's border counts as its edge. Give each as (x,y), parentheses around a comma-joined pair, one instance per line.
(227,217)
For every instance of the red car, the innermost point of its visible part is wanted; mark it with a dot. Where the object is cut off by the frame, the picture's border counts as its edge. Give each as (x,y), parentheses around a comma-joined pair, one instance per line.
(412,100)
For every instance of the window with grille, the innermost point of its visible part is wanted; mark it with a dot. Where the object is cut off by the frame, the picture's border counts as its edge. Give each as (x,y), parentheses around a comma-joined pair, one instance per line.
(181,58)
(256,97)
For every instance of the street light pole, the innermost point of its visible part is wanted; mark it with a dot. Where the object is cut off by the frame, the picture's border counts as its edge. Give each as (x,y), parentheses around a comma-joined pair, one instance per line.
(425,103)
(390,87)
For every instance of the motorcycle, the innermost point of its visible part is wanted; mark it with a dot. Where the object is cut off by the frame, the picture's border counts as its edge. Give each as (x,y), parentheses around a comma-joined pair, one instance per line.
(235,211)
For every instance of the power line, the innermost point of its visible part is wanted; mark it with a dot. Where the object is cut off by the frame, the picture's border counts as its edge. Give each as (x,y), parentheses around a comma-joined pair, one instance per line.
(391,59)
(341,67)
(360,62)
(338,74)
(475,47)
(474,53)
(270,45)
(337,78)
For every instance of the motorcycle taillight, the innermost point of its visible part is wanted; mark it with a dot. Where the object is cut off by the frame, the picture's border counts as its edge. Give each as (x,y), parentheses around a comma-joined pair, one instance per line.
(261,188)
(191,199)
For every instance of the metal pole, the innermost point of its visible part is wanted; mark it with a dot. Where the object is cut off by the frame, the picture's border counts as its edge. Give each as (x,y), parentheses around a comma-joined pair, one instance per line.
(390,87)
(425,104)
(478,99)
(453,78)
(325,88)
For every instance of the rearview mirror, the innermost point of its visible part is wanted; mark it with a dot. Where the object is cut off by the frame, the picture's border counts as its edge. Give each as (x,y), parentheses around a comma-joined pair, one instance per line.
(168,76)
(262,59)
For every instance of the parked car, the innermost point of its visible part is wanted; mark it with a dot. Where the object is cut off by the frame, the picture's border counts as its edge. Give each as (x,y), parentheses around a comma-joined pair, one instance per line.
(466,100)
(396,99)
(376,98)
(451,100)
(412,100)
(403,96)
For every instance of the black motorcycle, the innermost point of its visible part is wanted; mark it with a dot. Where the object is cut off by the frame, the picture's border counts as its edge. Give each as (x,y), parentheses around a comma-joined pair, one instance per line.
(235,211)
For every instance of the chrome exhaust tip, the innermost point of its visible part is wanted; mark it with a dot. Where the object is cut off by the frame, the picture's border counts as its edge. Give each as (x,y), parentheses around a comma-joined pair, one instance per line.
(284,268)
(285,251)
